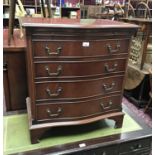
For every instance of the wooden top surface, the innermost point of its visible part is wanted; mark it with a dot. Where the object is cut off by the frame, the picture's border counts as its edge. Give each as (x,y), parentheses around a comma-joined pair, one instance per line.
(75,23)
(17,43)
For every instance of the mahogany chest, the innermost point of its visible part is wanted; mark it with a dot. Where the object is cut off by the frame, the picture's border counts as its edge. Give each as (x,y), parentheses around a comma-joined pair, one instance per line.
(76,71)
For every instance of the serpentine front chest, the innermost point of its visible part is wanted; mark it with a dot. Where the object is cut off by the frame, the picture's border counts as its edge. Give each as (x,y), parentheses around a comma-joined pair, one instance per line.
(76,71)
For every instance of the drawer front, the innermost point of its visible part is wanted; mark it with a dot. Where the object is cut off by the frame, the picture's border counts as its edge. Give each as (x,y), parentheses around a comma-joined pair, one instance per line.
(82,49)
(78,69)
(78,110)
(146,151)
(78,89)
(135,145)
(109,150)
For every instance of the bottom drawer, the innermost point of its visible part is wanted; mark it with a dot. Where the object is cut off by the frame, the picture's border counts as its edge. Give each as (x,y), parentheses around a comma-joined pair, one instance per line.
(60,111)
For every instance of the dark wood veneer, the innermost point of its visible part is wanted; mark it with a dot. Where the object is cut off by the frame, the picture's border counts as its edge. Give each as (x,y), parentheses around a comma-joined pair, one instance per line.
(68,112)
(74,69)
(76,48)
(64,40)
(72,89)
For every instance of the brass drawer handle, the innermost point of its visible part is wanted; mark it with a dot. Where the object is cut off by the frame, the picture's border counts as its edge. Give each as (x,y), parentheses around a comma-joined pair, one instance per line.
(136,147)
(48,50)
(113,50)
(58,72)
(58,91)
(55,114)
(104,153)
(109,87)
(110,69)
(106,107)
(5,66)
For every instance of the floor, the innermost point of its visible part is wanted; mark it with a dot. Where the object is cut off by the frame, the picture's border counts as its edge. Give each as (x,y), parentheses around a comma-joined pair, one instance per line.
(147,116)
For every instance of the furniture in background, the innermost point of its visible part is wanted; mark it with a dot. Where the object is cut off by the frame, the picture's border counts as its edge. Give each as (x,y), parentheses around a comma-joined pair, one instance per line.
(58,11)
(138,9)
(45,8)
(12,11)
(67,9)
(137,85)
(14,71)
(148,107)
(32,7)
(140,42)
(111,10)
(67,72)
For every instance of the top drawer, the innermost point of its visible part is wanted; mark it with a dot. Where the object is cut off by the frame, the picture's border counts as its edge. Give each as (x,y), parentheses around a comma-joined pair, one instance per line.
(78,49)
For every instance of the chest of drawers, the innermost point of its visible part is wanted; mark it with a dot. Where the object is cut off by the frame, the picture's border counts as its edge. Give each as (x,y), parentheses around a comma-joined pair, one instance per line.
(76,71)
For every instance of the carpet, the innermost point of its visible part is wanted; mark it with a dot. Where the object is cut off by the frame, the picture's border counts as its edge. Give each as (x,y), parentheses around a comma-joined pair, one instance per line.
(138,111)
(17,138)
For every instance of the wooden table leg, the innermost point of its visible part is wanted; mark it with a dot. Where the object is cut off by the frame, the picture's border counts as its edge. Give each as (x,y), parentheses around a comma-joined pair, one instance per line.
(49,8)
(147,33)
(43,8)
(11,19)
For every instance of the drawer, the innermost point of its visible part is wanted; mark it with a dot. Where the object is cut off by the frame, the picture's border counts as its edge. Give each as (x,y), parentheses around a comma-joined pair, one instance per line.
(78,89)
(146,151)
(78,68)
(78,110)
(135,145)
(74,48)
(108,150)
